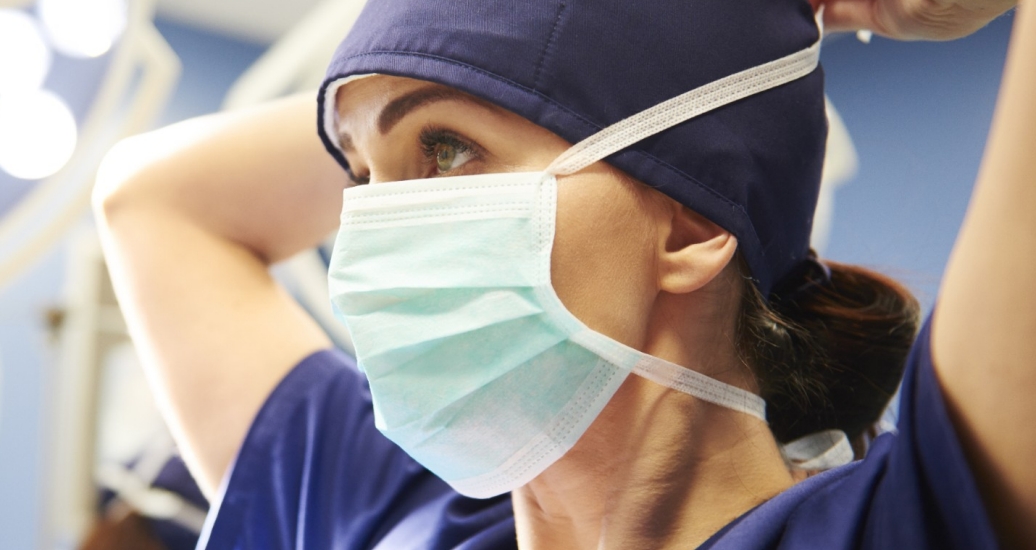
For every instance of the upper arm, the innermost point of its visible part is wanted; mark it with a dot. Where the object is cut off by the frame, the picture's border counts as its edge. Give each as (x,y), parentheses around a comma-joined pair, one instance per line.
(984,332)
(190,217)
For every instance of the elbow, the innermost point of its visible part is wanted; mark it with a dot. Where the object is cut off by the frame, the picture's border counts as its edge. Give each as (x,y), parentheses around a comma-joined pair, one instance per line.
(121,179)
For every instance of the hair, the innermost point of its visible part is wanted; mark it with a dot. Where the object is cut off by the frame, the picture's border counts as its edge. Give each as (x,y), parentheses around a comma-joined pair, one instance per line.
(831,355)
(129,532)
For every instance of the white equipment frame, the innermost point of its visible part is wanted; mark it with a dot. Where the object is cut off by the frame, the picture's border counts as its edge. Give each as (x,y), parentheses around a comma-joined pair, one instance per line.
(143,71)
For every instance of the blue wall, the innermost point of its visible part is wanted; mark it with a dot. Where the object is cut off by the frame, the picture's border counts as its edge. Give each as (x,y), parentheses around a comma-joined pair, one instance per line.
(918,113)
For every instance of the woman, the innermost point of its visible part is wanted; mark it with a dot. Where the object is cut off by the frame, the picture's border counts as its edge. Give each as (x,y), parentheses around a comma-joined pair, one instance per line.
(592,335)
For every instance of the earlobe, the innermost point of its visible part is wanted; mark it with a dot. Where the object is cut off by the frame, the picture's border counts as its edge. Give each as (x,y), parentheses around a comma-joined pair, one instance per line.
(692,251)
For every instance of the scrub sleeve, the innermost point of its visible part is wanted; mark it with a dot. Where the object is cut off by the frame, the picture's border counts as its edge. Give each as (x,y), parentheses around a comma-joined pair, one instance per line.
(314,473)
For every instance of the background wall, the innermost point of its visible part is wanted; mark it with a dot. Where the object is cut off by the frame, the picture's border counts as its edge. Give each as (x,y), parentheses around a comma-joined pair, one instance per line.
(918,113)
(211,63)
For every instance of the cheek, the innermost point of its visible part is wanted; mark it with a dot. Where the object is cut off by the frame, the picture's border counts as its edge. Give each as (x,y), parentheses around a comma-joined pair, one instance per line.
(603,261)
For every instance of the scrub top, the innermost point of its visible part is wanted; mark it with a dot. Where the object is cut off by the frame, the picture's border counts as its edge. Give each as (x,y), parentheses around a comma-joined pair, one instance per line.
(314,473)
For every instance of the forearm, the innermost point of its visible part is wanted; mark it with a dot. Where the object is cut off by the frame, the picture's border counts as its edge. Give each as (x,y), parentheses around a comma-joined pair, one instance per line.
(190,217)
(259,177)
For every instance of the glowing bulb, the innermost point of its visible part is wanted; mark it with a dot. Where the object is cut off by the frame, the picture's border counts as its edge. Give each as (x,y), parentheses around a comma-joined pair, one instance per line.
(24,54)
(37,134)
(83,28)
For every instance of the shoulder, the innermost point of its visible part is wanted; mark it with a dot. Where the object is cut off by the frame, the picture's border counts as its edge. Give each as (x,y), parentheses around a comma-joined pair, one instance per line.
(913,490)
(314,472)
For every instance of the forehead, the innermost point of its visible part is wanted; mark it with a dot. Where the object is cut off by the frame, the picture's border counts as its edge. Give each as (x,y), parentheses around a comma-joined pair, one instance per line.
(374,104)
(361,100)
(394,96)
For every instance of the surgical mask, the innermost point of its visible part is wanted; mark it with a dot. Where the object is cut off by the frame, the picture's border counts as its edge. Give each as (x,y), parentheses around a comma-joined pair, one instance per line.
(476,368)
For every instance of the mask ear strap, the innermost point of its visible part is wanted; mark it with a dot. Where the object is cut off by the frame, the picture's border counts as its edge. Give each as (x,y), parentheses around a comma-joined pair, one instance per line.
(688,105)
(819,451)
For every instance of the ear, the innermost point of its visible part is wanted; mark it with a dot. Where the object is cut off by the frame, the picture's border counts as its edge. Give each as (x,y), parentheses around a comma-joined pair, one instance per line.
(693,251)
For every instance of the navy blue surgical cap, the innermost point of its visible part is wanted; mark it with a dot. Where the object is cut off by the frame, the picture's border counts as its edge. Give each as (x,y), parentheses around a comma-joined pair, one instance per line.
(577,66)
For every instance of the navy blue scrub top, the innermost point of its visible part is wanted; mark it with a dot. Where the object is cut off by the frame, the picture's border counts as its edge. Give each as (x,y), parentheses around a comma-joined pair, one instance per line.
(314,473)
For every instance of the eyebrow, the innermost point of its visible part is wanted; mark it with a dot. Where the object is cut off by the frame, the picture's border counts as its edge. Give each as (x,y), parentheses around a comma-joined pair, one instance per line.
(400,107)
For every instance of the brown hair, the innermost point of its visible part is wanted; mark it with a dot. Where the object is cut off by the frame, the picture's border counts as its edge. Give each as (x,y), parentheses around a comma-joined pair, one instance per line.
(131,531)
(831,355)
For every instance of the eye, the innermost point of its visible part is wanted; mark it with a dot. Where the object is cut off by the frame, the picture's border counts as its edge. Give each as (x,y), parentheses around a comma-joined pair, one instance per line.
(445,151)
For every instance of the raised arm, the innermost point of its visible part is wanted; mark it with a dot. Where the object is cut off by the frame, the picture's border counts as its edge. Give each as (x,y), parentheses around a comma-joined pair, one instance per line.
(191,216)
(984,333)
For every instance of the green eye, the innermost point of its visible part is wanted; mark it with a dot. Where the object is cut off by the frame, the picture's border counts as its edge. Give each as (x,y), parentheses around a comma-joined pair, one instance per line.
(445,155)
(444,152)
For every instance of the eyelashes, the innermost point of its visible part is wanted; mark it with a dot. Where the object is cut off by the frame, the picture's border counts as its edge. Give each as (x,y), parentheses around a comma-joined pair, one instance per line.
(440,152)
(432,136)
(445,151)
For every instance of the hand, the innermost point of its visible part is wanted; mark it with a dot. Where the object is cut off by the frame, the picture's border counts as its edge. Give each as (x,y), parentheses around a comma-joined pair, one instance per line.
(912,19)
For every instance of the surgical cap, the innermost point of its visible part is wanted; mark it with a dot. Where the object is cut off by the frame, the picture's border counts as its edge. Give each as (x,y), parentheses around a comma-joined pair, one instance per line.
(576,66)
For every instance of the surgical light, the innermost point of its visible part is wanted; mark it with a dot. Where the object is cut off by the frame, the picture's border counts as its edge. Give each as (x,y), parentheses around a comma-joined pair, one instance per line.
(37,134)
(24,55)
(83,28)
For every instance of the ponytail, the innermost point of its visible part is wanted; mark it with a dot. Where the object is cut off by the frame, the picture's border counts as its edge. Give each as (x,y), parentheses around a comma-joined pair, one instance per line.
(830,356)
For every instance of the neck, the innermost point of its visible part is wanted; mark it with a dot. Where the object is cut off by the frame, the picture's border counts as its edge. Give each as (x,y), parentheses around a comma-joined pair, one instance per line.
(657,469)
(679,473)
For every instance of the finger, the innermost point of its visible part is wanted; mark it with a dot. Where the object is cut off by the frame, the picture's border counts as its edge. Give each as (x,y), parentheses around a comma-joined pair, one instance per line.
(850,15)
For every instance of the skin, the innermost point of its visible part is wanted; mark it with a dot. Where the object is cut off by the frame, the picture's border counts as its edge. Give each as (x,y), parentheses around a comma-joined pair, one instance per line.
(191,217)
(638,267)
(912,19)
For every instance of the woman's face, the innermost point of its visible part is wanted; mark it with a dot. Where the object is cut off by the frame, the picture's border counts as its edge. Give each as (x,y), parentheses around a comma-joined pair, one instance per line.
(603,265)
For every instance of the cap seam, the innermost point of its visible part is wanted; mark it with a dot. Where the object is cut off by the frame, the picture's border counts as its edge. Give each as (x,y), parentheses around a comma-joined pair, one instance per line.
(547,46)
